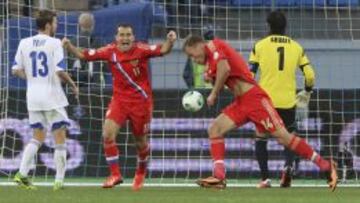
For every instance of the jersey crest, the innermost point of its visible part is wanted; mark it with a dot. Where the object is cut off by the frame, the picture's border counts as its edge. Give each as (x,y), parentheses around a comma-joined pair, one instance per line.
(134,62)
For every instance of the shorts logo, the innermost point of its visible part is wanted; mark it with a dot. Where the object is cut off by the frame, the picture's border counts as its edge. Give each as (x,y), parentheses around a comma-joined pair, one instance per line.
(134,62)
(92,52)
(267,124)
(153,47)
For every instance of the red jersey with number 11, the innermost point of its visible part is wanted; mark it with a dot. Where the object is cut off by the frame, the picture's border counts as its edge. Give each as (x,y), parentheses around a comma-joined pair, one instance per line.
(129,69)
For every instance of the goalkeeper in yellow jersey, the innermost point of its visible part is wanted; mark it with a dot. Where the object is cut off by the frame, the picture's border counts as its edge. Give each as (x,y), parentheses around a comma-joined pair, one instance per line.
(278,57)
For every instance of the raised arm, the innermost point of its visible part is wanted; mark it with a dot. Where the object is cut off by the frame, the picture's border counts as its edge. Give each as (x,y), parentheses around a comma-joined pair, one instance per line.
(169,42)
(222,73)
(77,52)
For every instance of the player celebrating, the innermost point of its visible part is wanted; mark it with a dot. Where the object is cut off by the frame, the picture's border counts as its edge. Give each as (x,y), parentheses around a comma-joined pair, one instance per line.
(132,96)
(226,67)
(40,60)
(278,57)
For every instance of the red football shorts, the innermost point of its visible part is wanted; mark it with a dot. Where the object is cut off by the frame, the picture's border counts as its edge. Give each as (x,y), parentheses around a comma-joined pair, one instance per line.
(256,106)
(139,114)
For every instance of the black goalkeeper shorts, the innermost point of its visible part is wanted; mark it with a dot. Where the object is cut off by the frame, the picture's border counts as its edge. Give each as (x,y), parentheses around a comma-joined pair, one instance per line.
(288,117)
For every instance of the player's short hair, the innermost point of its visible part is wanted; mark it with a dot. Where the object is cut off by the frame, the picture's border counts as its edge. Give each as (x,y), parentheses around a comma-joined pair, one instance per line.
(192,40)
(44,17)
(277,22)
(125,25)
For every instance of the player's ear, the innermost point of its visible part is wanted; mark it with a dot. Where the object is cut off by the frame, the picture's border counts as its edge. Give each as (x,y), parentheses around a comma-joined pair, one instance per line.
(116,37)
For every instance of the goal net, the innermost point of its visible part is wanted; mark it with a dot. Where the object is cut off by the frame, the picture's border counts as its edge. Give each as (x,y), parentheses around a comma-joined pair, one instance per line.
(328,29)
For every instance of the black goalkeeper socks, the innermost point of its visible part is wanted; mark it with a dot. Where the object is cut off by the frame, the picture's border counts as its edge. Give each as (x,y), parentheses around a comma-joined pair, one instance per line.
(289,157)
(262,158)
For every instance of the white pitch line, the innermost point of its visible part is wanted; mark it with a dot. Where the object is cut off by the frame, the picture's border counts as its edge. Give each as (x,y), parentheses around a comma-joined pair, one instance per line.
(78,184)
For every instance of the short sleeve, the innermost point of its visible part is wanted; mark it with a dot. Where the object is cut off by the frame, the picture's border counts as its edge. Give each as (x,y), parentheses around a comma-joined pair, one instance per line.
(102,53)
(253,58)
(217,56)
(150,50)
(59,59)
(18,60)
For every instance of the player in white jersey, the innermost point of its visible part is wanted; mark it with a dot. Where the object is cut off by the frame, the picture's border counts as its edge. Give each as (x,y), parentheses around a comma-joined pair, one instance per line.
(40,60)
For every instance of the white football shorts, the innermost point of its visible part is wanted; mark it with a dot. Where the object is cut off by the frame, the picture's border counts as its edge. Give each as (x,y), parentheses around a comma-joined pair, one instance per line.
(55,119)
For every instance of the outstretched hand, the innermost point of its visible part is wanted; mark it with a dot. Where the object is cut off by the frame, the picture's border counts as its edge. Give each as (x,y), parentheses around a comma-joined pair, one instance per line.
(211,99)
(171,36)
(65,42)
(303,99)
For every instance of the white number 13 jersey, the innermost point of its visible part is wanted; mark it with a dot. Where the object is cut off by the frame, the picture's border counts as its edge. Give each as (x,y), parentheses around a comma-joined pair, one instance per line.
(41,56)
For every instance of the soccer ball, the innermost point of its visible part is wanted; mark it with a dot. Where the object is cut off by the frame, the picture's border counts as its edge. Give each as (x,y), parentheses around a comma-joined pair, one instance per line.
(192,101)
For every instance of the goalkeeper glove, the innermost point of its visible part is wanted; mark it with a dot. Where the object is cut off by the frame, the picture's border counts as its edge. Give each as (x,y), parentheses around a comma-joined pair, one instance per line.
(303,99)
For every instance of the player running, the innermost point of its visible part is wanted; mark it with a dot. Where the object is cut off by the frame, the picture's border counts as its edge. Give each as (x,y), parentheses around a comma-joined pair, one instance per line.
(278,57)
(226,67)
(40,61)
(132,95)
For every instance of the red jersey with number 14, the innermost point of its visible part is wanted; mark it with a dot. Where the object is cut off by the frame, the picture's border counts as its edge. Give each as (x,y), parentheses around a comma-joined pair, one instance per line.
(129,69)
(217,50)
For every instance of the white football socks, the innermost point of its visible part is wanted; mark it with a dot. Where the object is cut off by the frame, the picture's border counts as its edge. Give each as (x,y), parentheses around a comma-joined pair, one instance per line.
(60,162)
(28,156)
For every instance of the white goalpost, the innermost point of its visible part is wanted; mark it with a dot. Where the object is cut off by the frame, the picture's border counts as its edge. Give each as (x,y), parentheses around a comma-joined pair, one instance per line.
(329,30)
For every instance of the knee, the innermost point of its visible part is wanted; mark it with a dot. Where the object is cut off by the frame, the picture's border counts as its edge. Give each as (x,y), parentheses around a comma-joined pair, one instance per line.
(281,141)
(108,134)
(39,135)
(282,136)
(60,139)
(140,142)
(214,131)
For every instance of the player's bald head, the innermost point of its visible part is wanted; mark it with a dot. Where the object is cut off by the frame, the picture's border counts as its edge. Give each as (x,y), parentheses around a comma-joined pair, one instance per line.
(277,22)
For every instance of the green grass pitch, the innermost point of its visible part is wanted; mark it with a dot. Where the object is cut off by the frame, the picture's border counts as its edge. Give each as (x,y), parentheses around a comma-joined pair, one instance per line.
(10,194)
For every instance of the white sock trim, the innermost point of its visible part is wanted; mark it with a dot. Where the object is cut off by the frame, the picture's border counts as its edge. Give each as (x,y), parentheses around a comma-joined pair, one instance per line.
(219,162)
(35,142)
(60,147)
(112,158)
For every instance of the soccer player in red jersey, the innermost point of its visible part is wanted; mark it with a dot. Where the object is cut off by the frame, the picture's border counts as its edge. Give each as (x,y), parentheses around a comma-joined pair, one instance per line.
(132,95)
(224,66)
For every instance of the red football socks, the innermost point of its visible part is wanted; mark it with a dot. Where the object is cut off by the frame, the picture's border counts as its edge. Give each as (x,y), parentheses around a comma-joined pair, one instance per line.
(217,149)
(303,149)
(112,156)
(143,155)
